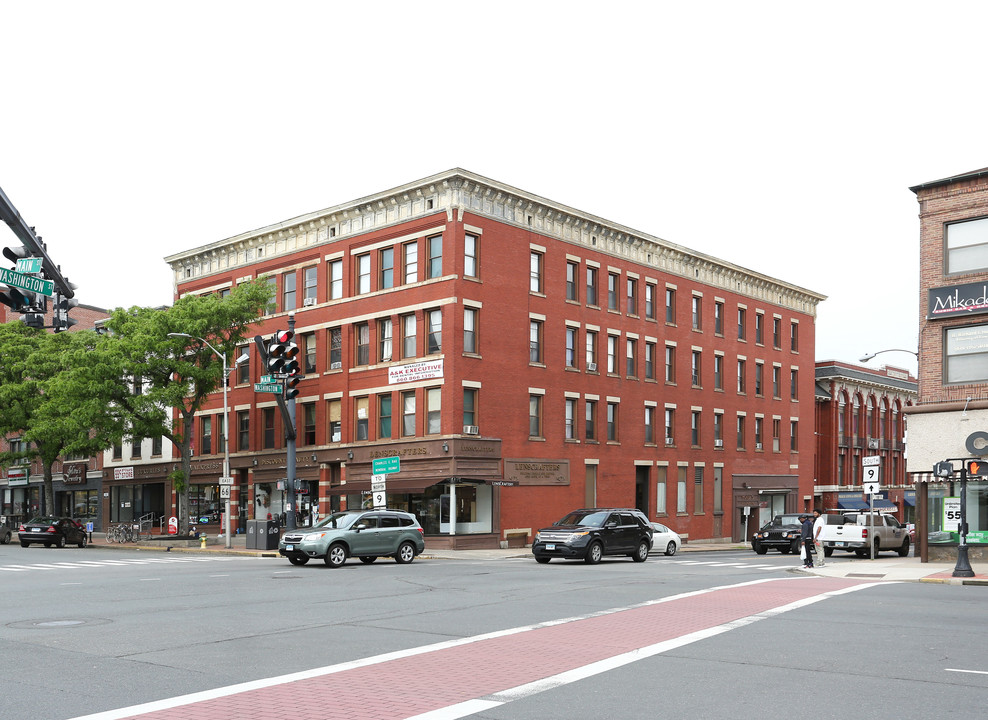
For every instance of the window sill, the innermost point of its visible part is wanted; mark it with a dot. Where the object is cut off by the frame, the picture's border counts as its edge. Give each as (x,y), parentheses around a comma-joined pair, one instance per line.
(533,438)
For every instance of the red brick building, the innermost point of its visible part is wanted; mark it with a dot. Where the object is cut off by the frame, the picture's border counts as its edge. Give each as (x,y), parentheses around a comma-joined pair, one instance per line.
(860,413)
(521,358)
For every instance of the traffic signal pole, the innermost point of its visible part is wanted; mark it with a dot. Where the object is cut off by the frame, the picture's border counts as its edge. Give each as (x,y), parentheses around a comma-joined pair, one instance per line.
(290,436)
(945,470)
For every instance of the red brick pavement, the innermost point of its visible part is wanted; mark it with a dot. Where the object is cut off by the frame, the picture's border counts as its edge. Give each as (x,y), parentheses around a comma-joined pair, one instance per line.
(391,687)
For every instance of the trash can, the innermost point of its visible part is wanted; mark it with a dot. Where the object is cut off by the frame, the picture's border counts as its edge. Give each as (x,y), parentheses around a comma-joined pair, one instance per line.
(268,535)
(252,534)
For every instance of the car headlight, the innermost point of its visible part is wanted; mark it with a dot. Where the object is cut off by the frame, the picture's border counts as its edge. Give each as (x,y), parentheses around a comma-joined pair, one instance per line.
(537,536)
(576,536)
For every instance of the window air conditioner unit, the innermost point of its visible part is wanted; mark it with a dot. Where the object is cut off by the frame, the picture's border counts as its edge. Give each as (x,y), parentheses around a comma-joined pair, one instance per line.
(471,430)
(758,446)
(308,301)
(591,367)
(335,365)
(718,443)
(670,441)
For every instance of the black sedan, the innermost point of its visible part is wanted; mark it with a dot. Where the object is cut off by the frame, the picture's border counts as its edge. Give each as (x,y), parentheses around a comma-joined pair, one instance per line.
(52,531)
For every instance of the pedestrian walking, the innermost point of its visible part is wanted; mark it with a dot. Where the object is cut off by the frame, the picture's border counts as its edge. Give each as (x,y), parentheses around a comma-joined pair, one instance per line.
(806,535)
(818,523)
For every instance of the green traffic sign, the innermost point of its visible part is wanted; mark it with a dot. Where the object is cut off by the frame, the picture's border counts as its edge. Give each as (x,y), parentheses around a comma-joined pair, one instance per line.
(267,379)
(29,265)
(27,282)
(383,466)
(267,387)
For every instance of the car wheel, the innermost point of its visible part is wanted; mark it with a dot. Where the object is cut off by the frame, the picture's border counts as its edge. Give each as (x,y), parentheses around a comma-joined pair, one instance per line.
(60,542)
(594,553)
(641,554)
(6,539)
(761,549)
(336,556)
(861,552)
(298,559)
(405,554)
(827,552)
(542,560)
(368,559)
(904,550)
(878,546)
(24,543)
(82,543)
(671,548)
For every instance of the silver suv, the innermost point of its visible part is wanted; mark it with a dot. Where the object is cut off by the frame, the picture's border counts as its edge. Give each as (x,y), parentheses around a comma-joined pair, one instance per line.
(366,534)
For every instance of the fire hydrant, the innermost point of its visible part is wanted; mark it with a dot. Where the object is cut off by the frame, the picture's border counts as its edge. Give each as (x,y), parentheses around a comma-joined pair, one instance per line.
(202,541)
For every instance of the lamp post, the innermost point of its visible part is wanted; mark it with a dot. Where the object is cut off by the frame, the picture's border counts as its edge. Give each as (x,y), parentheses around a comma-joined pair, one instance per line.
(226,429)
(869,356)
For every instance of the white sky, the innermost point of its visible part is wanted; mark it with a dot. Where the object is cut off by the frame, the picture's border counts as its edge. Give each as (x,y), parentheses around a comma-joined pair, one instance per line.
(781,136)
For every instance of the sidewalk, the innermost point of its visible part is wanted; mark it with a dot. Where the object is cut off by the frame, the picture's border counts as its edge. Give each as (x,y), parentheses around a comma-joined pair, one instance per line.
(885,567)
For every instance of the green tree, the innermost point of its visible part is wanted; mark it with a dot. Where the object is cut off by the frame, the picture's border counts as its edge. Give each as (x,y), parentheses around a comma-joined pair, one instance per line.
(176,375)
(54,397)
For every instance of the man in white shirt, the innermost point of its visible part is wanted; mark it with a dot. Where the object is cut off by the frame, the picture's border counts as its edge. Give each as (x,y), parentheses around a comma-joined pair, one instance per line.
(818,524)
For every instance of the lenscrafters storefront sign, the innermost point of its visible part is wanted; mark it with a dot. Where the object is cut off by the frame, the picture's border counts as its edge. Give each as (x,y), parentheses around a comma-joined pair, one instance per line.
(968,299)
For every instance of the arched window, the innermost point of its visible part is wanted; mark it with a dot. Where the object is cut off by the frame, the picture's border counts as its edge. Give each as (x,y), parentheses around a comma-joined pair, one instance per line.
(870,418)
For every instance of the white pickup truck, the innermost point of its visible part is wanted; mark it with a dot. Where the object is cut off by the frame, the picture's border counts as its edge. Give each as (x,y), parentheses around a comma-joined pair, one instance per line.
(852,532)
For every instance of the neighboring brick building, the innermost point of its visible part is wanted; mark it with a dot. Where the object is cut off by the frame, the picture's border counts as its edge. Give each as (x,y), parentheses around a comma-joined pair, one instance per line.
(953,357)
(859,413)
(77,481)
(521,358)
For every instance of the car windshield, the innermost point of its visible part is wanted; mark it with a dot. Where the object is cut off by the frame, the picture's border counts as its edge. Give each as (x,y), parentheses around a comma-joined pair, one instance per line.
(593,519)
(338,520)
(42,521)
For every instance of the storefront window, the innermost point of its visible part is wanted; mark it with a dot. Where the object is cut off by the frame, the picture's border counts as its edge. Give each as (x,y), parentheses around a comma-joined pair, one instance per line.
(79,504)
(944,507)
(132,502)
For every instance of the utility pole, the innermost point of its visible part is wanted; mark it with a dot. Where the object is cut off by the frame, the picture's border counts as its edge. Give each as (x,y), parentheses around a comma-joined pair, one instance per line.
(290,436)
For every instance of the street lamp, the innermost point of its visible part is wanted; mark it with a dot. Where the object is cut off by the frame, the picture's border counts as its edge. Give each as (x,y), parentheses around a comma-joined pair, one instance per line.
(869,356)
(226,425)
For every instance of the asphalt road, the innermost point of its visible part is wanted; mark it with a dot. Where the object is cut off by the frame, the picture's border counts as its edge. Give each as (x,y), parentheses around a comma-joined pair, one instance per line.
(86,631)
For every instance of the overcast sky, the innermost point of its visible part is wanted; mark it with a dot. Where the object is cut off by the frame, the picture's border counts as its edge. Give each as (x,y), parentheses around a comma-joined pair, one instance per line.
(779,136)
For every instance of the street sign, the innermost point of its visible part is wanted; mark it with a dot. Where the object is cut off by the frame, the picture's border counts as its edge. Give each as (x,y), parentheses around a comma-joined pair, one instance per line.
(225,492)
(226,481)
(872,488)
(27,282)
(383,466)
(380,500)
(29,265)
(267,387)
(870,460)
(267,379)
(378,483)
(871,476)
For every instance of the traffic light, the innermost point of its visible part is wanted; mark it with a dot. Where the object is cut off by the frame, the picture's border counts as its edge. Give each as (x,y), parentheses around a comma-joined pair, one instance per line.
(60,319)
(977,468)
(294,378)
(33,319)
(281,352)
(16,253)
(943,469)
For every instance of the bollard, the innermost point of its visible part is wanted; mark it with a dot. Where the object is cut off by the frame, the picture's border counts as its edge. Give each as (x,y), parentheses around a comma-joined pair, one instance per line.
(202,541)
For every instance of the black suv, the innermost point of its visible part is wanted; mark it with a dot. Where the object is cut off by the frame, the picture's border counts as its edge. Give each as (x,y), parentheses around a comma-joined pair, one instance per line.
(591,533)
(781,534)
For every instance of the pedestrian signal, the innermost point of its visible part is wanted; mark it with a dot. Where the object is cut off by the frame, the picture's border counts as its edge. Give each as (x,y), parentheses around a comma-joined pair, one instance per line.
(978,468)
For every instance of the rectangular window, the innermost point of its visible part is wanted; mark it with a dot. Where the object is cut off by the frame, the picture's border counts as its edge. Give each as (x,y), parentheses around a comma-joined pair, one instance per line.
(776,435)
(572,275)
(361,333)
(660,490)
(777,333)
(272,306)
(612,422)
(760,328)
(649,425)
(435,339)
(570,347)
(718,318)
(384,333)
(697,490)
(408,329)
(695,428)
(470,330)
(681,490)
(435,256)
(535,342)
(742,320)
(967,246)
(794,435)
(408,414)
(759,368)
(243,369)
(135,447)
(384,417)
(741,377)
(471,256)
(470,406)
(310,283)
(631,358)
(433,411)
(650,301)
(776,381)
(309,360)
(361,416)
(697,313)
(966,356)
(309,424)
(205,435)
(335,270)
(591,351)
(632,296)
(612,341)
(612,291)
(591,420)
(670,426)
(649,361)
(243,430)
(535,416)
(334,415)
(288,291)
(794,337)
(671,306)
(670,363)
(759,423)
(270,441)
(740,432)
(410,253)
(592,286)
(386,260)
(335,348)
(794,384)
(535,272)
(569,428)
(718,372)
(695,358)
(718,430)
(363,274)
(718,489)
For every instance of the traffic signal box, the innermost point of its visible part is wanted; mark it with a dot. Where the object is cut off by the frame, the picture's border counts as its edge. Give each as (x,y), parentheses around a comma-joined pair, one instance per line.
(977,468)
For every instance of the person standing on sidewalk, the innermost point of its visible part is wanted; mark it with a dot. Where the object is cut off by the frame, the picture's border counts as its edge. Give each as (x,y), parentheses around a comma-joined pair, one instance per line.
(806,535)
(818,523)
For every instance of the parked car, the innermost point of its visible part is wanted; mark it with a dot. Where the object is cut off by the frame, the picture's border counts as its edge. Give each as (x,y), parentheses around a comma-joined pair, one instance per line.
(4,531)
(365,534)
(589,534)
(859,532)
(781,534)
(57,531)
(665,539)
